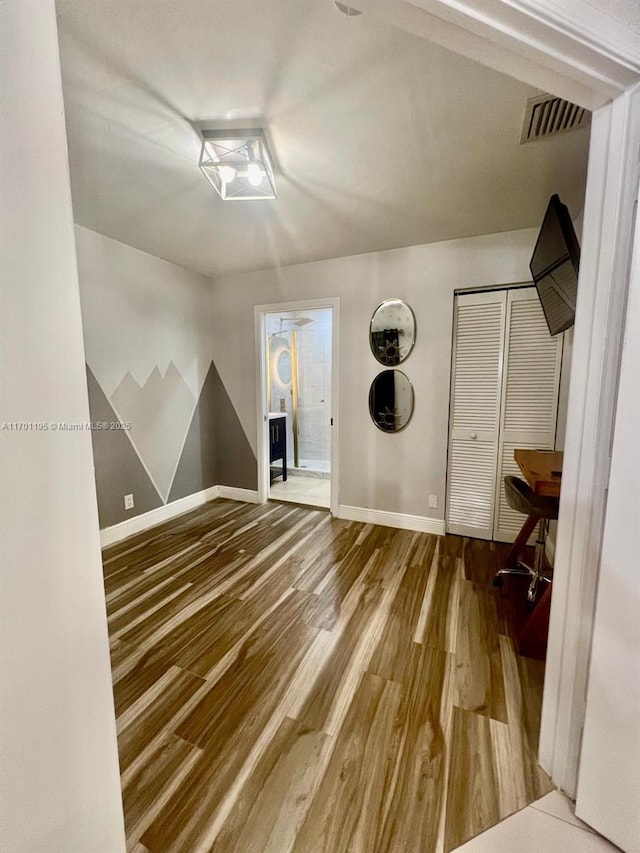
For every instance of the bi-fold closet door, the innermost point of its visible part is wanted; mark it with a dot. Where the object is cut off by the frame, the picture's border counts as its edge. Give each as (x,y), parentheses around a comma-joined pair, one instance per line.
(504,394)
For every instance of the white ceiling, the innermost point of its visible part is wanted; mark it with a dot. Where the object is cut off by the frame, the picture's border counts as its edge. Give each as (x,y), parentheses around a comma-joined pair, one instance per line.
(381,139)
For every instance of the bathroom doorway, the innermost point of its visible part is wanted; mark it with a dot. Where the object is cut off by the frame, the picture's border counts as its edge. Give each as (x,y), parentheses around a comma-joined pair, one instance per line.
(297,405)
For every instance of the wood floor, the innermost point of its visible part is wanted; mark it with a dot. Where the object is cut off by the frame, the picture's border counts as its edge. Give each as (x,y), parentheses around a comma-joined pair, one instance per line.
(285,681)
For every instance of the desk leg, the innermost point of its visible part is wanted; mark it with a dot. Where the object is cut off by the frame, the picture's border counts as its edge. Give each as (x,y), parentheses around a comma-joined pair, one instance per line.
(521,540)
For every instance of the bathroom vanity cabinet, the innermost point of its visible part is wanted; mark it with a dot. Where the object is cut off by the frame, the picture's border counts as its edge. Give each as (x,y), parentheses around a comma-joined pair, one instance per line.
(278,444)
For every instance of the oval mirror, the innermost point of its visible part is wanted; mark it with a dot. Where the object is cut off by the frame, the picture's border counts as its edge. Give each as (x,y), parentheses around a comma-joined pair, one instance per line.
(391,400)
(283,367)
(392,333)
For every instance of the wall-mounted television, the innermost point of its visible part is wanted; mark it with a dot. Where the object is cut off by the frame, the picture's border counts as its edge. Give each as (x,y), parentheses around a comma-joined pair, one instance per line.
(554,266)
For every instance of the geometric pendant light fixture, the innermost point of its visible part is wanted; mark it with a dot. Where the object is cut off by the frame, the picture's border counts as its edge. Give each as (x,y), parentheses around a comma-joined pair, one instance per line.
(237,164)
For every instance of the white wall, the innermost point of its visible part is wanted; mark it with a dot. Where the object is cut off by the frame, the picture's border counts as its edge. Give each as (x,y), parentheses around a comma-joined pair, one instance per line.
(148,337)
(394,473)
(140,312)
(59,780)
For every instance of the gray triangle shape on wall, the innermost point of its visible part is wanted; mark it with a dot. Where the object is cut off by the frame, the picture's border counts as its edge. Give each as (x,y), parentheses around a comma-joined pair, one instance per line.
(118,469)
(216,451)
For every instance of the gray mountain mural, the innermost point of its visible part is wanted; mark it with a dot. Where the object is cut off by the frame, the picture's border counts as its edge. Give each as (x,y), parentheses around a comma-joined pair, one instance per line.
(118,468)
(216,452)
(159,413)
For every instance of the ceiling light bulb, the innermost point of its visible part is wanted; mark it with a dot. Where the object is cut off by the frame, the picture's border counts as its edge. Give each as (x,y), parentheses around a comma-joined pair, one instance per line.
(254,174)
(227,173)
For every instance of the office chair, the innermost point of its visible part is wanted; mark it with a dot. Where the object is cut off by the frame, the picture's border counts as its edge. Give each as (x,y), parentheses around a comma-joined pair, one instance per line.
(539,510)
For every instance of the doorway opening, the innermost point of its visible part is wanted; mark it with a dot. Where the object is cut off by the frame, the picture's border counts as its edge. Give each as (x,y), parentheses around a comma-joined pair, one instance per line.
(296,382)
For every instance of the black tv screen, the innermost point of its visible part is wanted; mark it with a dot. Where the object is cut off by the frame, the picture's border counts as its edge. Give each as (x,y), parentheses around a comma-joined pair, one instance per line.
(554,266)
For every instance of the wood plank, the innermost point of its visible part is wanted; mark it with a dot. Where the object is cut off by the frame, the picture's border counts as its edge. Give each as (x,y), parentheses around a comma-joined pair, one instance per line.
(328,549)
(225,724)
(415,784)
(438,622)
(479,677)
(260,673)
(319,705)
(150,788)
(269,811)
(523,693)
(346,811)
(393,654)
(473,802)
(155,714)
(284,680)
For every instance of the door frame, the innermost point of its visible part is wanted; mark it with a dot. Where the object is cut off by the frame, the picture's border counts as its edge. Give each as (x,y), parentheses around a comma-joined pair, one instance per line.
(607,240)
(611,744)
(260,313)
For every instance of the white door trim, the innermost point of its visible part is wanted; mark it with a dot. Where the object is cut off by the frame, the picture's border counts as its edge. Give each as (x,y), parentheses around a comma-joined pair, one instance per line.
(607,240)
(609,778)
(260,312)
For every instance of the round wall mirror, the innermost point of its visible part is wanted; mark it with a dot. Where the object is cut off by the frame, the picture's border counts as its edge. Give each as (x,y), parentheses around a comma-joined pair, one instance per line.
(392,333)
(283,367)
(391,400)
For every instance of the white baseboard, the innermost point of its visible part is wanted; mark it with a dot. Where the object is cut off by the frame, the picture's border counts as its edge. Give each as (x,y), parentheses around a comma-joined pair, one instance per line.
(118,532)
(420,523)
(248,496)
(138,523)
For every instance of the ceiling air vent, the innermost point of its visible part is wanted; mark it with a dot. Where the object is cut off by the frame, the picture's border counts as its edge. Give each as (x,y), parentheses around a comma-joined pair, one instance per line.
(546,115)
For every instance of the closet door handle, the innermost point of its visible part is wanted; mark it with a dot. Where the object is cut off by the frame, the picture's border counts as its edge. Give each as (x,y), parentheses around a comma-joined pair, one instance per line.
(473,435)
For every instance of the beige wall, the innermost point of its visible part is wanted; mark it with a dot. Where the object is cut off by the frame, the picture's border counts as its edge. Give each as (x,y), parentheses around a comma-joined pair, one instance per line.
(393,473)
(149,334)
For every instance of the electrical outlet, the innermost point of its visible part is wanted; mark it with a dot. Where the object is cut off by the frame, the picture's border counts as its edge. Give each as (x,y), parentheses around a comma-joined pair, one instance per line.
(128,501)
(433,501)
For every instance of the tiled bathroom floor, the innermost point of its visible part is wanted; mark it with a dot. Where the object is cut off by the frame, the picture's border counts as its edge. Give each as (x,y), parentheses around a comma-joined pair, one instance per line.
(548,825)
(315,465)
(303,490)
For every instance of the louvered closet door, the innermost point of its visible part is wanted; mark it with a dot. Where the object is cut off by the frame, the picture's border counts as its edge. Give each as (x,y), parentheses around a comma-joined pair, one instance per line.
(474,415)
(530,384)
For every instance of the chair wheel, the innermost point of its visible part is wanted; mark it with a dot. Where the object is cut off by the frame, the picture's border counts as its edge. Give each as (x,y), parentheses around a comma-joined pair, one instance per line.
(498,581)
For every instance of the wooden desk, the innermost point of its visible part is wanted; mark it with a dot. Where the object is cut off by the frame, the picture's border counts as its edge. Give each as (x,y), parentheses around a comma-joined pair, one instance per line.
(542,469)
